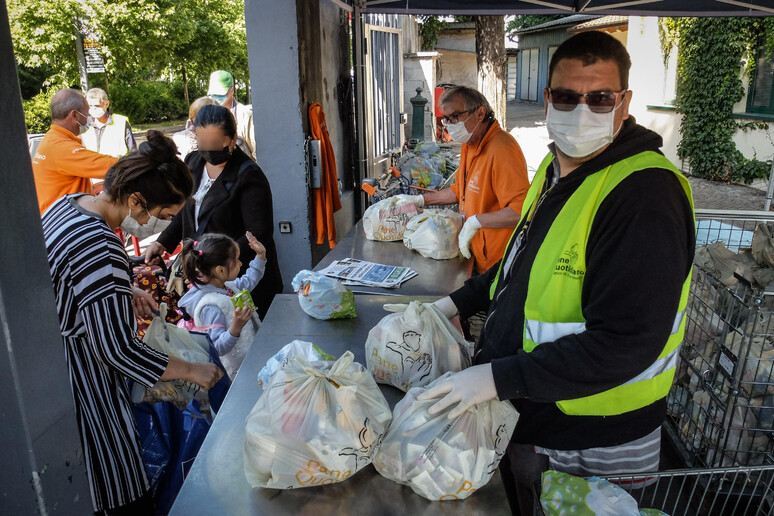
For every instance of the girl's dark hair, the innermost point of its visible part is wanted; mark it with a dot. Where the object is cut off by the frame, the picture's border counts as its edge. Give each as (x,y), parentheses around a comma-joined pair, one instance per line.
(218,116)
(200,257)
(154,171)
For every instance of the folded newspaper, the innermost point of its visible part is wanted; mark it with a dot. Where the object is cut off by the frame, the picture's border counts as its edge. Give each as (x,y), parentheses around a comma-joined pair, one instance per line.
(352,272)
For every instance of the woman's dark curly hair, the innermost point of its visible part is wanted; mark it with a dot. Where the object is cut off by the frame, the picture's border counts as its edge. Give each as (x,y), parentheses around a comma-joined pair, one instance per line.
(154,171)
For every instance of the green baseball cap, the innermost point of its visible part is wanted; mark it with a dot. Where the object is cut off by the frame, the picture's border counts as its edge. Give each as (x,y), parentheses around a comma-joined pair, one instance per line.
(220,82)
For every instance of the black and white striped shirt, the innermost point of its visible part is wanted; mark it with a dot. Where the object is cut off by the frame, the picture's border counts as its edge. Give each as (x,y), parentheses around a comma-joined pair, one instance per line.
(90,271)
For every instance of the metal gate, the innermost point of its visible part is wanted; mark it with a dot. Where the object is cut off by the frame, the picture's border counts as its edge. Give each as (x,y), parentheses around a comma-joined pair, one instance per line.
(383,80)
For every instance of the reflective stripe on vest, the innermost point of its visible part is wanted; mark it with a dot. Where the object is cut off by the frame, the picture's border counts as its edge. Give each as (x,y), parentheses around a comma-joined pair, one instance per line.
(558,272)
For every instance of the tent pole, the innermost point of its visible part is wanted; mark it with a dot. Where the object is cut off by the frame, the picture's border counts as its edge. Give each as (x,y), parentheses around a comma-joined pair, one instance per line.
(770,192)
(361,167)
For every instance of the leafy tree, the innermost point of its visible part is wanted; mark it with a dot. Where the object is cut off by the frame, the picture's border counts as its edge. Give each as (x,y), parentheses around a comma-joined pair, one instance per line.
(711,55)
(140,39)
(527,20)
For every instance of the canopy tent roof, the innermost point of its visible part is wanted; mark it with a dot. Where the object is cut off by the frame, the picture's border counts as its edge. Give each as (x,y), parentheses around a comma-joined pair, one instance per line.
(619,7)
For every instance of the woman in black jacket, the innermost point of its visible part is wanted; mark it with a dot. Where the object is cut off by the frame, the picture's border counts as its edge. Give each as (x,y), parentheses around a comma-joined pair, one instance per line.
(231,196)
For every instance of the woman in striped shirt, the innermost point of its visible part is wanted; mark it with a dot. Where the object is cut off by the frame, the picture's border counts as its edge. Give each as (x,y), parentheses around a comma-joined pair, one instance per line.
(94,296)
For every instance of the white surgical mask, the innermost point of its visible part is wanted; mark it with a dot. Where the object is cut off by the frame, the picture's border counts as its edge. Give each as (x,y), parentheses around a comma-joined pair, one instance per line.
(141,231)
(459,133)
(580,132)
(97,112)
(84,127)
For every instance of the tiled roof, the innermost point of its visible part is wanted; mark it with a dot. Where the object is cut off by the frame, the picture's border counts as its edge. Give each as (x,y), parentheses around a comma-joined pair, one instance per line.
(555,24)
(600,23)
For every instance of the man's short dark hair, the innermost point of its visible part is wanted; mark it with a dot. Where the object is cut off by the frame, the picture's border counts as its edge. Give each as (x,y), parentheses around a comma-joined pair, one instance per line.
(591,47)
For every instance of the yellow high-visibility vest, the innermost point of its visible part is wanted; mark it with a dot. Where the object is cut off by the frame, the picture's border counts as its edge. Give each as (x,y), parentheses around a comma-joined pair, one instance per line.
(553,306)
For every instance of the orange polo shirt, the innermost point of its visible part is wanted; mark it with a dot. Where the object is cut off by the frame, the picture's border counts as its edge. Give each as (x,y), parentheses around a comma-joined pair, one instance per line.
(490,177)
(62,165)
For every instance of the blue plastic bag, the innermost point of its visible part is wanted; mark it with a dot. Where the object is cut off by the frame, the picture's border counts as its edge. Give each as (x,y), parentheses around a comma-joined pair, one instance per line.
(171,438)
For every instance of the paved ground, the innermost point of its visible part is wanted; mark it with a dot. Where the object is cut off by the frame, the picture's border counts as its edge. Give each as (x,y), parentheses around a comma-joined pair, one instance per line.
(526,122)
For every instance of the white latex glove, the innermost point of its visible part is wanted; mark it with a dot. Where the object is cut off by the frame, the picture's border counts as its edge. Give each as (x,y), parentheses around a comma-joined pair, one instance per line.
(447,307)
(413,199)
(468,231)
(467,388)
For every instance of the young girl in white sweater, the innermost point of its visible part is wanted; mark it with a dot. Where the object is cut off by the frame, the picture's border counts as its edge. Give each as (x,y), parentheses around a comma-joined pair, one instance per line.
(211,266)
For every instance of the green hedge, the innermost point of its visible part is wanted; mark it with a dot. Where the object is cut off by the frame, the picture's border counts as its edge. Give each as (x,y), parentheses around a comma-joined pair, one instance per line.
(150,102)
(37,112)
(143,103)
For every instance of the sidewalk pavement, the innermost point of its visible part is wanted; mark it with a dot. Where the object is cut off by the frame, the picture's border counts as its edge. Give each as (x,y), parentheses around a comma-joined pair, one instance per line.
(526,122)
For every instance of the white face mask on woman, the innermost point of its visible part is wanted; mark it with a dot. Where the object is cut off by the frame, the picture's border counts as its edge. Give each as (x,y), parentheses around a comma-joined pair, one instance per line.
(131,226)
(580,132)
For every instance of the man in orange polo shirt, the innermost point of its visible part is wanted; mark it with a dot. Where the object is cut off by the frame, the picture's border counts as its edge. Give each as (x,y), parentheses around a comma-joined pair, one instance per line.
(491,181)
(62,165)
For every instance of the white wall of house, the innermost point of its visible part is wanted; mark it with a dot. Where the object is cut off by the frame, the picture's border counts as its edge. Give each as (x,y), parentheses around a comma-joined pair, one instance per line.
(653,84)
(457,68)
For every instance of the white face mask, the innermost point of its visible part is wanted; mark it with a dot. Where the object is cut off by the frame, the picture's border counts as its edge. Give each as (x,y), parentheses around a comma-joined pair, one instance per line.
(580,132)
(84,127)
(459,133)
(97,112)
(141,231)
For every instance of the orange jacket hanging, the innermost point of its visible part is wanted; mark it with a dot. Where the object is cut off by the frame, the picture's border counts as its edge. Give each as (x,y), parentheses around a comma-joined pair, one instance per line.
(326,198)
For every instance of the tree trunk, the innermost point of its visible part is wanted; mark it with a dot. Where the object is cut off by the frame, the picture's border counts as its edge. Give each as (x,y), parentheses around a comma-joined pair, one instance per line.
(491,61)
(185,84)
(81,60)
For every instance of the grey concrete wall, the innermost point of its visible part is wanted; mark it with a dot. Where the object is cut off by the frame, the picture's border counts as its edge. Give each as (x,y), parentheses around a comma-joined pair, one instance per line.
(42,462)
(336,95)
(298,53)
(458,68)
(273,55)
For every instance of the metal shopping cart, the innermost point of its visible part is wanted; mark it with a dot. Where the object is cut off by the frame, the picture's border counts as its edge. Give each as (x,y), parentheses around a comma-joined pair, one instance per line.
(721,407)
(740,491)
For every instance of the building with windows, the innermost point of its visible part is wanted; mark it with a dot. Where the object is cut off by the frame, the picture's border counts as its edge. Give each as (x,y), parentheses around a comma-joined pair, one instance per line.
(538,43)
(654,85)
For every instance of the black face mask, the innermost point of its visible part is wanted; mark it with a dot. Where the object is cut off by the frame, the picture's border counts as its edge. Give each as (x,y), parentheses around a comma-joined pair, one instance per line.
(216,157)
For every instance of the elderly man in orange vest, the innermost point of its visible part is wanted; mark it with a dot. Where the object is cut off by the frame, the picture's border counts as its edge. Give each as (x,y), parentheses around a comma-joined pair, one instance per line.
(491,180)
(62,165)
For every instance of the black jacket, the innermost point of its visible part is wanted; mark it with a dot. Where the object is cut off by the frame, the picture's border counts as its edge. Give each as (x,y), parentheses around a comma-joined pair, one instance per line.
(640,250)
(239,203)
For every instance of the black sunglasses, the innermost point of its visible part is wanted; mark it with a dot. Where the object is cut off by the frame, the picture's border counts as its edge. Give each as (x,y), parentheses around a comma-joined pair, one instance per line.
(598,101)
(453,118)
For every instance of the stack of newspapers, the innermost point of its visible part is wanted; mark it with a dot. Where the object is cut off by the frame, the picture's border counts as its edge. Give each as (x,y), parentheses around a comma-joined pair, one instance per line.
(352,272)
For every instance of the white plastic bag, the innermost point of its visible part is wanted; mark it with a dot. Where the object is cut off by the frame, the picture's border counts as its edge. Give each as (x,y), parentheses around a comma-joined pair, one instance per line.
(323,297)
(296,348)
(442,459)
(386,220)
(177,342)
(413,348)
(434,234)
(316,423)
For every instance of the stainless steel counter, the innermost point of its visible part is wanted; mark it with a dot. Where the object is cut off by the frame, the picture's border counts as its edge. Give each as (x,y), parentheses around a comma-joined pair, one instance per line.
(216,484)
(436,277)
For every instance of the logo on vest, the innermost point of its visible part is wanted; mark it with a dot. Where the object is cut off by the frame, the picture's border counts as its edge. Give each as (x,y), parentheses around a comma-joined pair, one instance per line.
(473,182)
(565,265)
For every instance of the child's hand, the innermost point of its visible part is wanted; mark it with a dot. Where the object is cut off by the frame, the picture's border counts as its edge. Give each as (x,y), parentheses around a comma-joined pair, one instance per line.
(256,246)
(241,317)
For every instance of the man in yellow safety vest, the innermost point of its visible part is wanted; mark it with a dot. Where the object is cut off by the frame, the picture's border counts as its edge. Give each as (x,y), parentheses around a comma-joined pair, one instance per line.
(585,309)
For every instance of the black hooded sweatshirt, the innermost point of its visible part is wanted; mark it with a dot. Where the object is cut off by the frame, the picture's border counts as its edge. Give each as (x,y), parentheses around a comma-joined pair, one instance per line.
(639,253)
